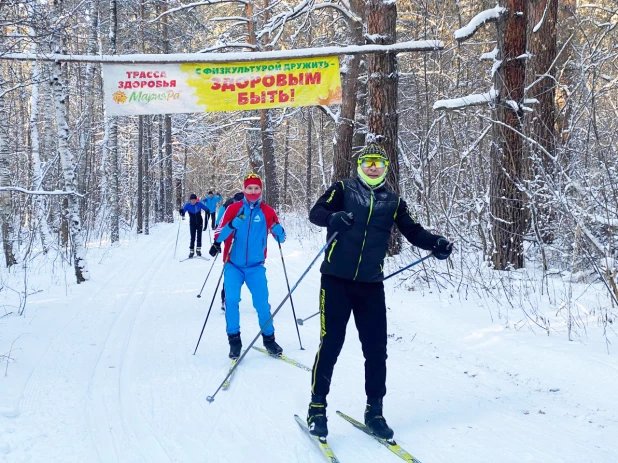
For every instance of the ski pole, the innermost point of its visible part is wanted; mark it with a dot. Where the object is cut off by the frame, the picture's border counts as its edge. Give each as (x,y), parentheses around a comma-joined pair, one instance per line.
(177,233)
(211,398)
(300,321)
(408,266)
(209,309)
(213,264)
(285,272)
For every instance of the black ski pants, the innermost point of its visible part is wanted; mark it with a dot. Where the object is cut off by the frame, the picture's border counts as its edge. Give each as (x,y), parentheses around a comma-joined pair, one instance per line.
(212,217)
(338,299)
(196,229)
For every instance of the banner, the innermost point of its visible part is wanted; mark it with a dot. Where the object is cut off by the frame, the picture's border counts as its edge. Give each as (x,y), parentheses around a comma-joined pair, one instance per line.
(132,89)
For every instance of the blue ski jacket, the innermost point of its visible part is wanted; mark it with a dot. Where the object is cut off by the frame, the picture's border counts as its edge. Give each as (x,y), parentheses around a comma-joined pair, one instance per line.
(245,245)
(195,216)
(211,203)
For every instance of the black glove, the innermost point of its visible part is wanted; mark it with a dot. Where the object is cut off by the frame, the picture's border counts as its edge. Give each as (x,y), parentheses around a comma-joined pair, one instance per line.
(442,248)
(181,211)
(215,249)
(341,221)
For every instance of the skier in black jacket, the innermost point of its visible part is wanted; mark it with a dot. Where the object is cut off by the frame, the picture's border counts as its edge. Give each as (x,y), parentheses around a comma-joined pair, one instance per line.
(194,207)
(362,210)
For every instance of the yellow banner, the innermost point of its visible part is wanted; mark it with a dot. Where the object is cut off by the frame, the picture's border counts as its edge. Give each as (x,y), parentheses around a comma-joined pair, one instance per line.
(206,87)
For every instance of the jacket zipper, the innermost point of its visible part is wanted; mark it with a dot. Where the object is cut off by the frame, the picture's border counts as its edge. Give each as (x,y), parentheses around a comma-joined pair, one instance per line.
(249,230)
(360,258)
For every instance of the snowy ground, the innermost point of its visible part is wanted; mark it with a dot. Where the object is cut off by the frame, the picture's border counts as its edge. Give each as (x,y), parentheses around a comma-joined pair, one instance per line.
(104,372)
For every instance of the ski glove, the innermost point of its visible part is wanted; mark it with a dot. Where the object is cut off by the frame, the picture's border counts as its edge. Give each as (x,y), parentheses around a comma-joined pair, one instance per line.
(215,249)
(341,221)
(279,233)
(442,248)
(237,222)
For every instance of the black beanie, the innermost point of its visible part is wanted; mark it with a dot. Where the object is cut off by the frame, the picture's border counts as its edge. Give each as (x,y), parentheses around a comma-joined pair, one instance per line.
(193,196)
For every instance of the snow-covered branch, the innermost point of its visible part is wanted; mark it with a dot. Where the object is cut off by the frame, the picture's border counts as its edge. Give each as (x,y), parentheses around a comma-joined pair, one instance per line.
(484,17)
(402,47)
(228,45)
(41,192)
(194,5)
(466,101)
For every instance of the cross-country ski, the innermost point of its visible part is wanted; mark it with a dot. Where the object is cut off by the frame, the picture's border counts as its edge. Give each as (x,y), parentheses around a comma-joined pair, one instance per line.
(319,442)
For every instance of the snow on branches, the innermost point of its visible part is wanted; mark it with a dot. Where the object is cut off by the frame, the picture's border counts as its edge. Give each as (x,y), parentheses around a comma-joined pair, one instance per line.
(484,17)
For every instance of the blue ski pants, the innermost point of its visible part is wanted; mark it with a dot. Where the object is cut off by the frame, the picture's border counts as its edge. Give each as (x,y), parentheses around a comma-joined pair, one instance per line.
(255,278)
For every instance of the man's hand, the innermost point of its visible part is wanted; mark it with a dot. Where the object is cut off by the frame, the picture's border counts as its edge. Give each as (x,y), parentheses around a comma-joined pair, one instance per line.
(341,221)
(215,249)
(237,222)
(279,233)
(442,248)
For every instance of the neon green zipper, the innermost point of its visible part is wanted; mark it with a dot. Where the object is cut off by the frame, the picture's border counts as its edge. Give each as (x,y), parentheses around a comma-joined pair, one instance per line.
(332,248)
(360,258)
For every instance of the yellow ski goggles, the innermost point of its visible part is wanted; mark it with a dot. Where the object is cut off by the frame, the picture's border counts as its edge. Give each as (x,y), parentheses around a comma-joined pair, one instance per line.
(369,161)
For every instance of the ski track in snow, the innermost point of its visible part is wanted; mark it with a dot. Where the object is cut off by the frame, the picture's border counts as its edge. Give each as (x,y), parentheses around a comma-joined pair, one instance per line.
(118,383)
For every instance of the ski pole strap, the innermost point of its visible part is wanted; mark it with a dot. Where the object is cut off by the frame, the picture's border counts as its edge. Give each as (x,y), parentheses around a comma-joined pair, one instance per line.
(408,266)
(211,398)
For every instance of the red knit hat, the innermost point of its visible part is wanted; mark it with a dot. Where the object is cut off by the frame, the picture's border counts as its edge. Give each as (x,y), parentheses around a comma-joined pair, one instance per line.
(252,179)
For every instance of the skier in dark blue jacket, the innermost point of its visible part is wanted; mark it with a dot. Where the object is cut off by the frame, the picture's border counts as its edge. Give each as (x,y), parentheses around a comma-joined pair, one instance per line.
(194,208)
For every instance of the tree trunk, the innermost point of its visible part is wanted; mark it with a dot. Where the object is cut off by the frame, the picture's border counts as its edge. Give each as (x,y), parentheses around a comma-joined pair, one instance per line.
(6,215)
(169,185)
(286,162)
(382,91)
(542,44)
(68,168)
(140,173)
(509,165)
(309,159)
(344,131)
(146,169)
(113,174)
(565,67)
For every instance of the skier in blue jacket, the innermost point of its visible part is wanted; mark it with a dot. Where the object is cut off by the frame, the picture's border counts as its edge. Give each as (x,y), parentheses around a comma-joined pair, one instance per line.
(194,208)
(211,201)
(244,229)
(237,197)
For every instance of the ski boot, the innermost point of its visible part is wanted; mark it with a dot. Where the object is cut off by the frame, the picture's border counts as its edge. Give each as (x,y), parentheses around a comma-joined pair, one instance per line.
(316,417)
(198,252)
(375,421)
(235,345)
(271,346)
(223,305)
(190,253)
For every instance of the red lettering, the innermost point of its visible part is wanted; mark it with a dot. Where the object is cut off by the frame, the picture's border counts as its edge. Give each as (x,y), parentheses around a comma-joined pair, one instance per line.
(242,83)
(228,84)
(271,95)
(283,97)
(243,99)
(142,75)
(151,83)
(313,78)
(255,81)
(292,80)
(254,99)
(173,83)
(128,74)
(163,75)
(135,74)
(159,84)
(120,84)
(282,80)
(216,83)
(268,81)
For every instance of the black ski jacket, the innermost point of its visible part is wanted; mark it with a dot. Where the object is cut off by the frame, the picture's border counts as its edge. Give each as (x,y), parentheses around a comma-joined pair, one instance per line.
(358,254)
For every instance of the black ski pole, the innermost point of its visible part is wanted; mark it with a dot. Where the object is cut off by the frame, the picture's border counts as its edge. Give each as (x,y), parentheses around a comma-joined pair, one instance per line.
(177,234)
(211,398)
(408,266)
(213,264)
(285,272)
(209,309)
(300,321)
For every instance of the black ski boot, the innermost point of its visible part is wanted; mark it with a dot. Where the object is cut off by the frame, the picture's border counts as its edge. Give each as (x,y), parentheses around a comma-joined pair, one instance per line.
(375,421)
(316,416)
(190,253)
(271,346)
(198,252)
(235,345)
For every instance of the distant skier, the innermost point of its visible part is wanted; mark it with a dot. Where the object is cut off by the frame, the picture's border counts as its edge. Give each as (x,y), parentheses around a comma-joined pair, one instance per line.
(362,210)
(237,197)
(211,201)
(244,228)
(194,208)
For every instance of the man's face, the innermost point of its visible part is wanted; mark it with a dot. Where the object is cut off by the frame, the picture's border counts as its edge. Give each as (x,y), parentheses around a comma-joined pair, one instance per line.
(253,189)
(373,171)
(210,195)
(193,201)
